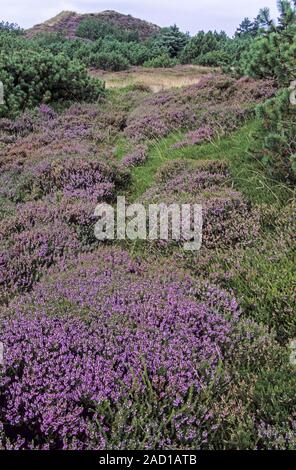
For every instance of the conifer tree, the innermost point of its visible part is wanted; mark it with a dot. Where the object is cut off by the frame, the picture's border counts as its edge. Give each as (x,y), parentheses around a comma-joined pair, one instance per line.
(273,55)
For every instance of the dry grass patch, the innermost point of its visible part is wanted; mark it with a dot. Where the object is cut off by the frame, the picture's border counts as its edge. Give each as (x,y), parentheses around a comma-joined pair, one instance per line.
(156,79)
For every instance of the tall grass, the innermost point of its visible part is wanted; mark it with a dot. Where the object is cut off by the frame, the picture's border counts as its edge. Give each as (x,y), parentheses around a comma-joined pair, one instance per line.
(248,174)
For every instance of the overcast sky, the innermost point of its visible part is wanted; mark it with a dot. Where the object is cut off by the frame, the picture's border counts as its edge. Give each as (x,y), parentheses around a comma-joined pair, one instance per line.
(190,15)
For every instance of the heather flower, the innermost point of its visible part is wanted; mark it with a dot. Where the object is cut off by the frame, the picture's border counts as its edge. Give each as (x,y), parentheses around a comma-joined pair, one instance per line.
(201,135)
(27,253)
(228,220)
(38,236)
(137,157)
(277,437)
(215,106)
(83,176)
(98,328)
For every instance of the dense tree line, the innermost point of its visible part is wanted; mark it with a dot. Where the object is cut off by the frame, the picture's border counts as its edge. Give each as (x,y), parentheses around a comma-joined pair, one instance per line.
(103,45)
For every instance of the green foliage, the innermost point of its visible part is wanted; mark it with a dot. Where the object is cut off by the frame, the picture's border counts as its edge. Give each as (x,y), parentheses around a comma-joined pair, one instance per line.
(170,41)
(112,61)
(273,55)
(274,394)
(134,53)
(246,29)
(264,284)
(217,58)
(95,28)
(259,25)
(93,53)
(206,49)
(235,48)
(279,129)
(13,28)
(163,61)
(37,77)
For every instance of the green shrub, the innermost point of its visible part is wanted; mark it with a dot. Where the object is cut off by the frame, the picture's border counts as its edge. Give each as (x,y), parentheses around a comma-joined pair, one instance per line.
(264,285)
(14,28)
(163,61)
(279,129)
(202,44)
(273,55)
(112,61)
(213,59)
(95,28)
(170,41)
(32,78)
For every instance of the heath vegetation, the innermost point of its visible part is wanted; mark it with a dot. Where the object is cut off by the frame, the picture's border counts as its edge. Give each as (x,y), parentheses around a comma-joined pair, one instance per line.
(133,345)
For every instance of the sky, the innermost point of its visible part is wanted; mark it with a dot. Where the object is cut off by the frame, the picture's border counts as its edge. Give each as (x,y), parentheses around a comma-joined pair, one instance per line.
(189,15)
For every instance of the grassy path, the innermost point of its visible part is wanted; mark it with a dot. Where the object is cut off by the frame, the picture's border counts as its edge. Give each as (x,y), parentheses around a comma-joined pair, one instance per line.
(248,174)
(262,286)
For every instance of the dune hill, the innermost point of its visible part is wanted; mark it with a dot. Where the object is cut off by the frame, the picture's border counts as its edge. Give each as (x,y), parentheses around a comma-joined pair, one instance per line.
(67,22)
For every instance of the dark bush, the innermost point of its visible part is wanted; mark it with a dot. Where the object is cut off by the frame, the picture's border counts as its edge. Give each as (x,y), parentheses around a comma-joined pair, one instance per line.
(34,77)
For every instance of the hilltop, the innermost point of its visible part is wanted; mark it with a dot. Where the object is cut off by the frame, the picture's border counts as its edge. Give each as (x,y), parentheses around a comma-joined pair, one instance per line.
(67,22)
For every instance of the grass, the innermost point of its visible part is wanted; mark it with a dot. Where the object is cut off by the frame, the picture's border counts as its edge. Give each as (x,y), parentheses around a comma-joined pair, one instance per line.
(155,79)
(122,148)
(6,207)
(262,284)
(248,174)
(265,288)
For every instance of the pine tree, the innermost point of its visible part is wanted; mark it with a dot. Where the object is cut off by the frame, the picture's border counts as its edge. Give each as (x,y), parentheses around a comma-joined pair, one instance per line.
(171,41)
(287,14)
(246,28)
(273,54)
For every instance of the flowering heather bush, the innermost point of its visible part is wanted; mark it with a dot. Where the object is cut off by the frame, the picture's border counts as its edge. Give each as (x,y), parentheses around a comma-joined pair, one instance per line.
(60,153)
(227,218)
(173,168)
(71,211)
(30,251)
(285,224)
(142,126)
(194,181)
(38,236)
(201,135)
(26,123)
(75,177)
(43,131)
(106,318)
(76,171)
(278,437)
(217,103)
(245,89)
(138,157)
(30,121)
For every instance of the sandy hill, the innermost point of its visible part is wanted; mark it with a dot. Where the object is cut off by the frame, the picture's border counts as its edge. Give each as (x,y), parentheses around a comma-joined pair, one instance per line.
(67,21)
